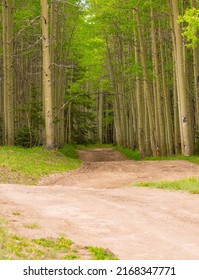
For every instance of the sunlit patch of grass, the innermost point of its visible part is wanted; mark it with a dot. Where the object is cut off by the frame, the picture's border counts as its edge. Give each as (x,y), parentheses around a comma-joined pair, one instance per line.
(190,185)
(25,165)
(101,253)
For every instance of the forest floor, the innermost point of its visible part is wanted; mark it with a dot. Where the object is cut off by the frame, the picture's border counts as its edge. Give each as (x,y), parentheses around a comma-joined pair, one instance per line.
(97,206)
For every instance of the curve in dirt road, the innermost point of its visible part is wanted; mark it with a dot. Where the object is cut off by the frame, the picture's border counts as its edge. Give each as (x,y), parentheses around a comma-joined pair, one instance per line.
(95,206)
(101,154)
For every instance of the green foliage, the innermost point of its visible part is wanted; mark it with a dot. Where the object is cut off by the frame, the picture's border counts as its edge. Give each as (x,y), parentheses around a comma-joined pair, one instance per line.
(27,137)
(29,133)
(19,165)
(191,29)
(84,129)
(191,185)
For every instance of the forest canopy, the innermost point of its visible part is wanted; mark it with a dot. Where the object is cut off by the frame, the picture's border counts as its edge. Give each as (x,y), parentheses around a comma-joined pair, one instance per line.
(119,71)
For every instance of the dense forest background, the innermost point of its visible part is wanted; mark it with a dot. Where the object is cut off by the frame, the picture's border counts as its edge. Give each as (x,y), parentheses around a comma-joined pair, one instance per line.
(119,71)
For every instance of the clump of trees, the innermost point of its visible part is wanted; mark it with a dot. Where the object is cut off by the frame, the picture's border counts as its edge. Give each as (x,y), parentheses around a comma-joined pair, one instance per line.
(110,71)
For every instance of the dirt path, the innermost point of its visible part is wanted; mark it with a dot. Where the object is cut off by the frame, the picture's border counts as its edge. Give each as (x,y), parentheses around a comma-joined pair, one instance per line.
(95,206)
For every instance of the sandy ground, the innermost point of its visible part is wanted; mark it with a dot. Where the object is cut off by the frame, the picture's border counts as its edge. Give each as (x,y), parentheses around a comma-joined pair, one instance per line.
(96,206)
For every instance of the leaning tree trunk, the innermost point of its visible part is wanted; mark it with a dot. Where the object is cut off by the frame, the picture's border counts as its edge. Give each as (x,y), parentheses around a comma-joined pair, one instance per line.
(46,75)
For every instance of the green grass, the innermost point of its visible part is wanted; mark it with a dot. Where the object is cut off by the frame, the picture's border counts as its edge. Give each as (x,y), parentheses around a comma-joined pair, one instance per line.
(128,153)
(190,185)
(15,247)
(58,244)
(24,165)
(193,158)
(69,151)
(101,253)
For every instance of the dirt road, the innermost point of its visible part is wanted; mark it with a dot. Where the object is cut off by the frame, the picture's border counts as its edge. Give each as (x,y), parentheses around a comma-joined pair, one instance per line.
(96,206)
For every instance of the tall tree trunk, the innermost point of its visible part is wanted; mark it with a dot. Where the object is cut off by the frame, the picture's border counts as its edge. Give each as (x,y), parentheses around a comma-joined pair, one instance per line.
(147,88)
(100,116)
(140,108)
(181,85)
(157,88)
(46,74)
(8,72)
(196,79)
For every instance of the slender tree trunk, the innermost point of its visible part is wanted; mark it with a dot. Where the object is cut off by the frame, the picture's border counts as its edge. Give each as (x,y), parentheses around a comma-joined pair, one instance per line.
(49,130)
(53,41)
(158,89)
(196,79)
(167,103)
(8,72)
(184,117)
(100,116)
(140,108)
(147,89)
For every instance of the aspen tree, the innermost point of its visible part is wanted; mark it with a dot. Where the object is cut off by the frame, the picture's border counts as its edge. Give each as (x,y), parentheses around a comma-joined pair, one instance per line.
(186,144)
(49,131)
(140,108)
(157,88)
(147,88)
(53,41)
(196,77)
(167,104)
(8,72)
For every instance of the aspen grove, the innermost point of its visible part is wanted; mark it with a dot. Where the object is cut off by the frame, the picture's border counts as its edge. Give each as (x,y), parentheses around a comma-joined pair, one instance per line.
(121,71)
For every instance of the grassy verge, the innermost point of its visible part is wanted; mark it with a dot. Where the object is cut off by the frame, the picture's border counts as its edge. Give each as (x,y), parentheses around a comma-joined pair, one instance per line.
(134,155)
(128,153)
(14,247)
(190,185)
(194,158)
(19,165)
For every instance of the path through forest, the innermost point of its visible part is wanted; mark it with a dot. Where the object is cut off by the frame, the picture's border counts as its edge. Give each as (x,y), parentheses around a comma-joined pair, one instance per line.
(96,205)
